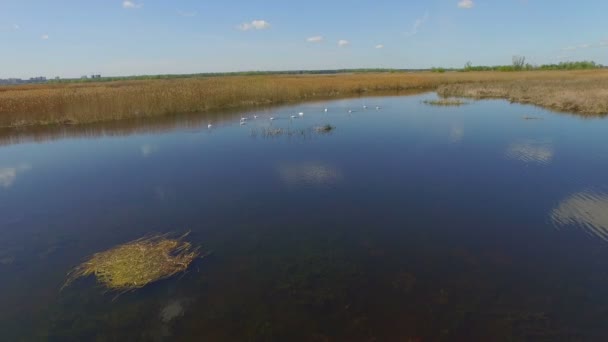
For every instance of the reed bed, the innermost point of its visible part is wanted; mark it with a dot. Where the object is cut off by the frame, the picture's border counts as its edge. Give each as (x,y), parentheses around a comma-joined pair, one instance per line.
(584,93)
(79,103)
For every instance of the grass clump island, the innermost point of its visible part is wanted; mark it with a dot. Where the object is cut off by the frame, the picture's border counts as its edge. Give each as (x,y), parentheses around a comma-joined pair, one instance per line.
(324,128)
(445,102)
(135,264)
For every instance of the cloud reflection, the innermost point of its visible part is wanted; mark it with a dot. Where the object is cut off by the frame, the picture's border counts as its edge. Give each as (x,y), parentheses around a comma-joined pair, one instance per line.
(315,173)
(147,150)
(8,175)
(531,151)
(588,210)
(456,133)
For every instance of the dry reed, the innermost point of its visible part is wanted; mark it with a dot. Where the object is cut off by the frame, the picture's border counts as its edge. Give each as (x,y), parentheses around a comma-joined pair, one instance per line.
(580,91)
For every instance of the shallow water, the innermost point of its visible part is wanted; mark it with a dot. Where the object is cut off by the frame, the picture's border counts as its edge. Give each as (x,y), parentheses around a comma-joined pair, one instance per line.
(411,222)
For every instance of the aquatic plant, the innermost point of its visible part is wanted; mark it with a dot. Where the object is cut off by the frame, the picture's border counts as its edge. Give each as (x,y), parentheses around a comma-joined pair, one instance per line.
(135,264)
(445,102)
(324,128)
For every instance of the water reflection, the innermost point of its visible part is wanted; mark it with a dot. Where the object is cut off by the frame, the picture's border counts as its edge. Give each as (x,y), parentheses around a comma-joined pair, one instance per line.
(8,175)
(147,150)
(531,151)
(456,133)
(315,173)
(587,209)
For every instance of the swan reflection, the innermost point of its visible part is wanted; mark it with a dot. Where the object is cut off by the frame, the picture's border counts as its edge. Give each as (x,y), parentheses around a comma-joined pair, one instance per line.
(588,210)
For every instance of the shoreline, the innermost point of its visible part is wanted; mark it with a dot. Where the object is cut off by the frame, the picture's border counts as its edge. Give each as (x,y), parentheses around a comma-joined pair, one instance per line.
(577,92)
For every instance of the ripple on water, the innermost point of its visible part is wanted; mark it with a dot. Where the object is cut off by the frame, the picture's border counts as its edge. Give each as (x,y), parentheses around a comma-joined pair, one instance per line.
(310,173)
(588,210)
(531,151)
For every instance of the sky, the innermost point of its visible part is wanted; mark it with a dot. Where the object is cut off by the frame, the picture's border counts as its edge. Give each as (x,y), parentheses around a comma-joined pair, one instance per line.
(71,38)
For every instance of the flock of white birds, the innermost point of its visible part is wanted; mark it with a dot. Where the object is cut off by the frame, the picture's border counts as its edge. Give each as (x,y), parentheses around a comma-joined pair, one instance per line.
(300,114)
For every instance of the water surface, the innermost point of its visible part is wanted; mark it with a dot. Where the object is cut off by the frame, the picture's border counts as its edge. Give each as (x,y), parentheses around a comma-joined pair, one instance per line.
(411,222)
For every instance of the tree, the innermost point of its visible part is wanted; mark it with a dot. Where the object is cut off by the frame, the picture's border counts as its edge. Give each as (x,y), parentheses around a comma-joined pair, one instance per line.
(519,62)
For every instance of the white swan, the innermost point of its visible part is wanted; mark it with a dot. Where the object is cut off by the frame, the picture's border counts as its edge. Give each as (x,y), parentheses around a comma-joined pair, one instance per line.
(271,118)
(209,126)
(326,110)
(301,114)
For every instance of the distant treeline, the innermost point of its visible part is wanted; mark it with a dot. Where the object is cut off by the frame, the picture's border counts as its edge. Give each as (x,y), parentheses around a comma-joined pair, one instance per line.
(519,64)
(223,74)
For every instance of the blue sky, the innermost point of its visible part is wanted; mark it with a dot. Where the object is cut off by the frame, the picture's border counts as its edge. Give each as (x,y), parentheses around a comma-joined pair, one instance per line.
(69,38)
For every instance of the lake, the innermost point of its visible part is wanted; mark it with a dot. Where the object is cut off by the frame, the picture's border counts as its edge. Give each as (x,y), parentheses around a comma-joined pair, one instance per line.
(487,221)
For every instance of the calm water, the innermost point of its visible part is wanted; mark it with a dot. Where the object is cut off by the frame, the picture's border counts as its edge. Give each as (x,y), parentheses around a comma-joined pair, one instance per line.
(409,223)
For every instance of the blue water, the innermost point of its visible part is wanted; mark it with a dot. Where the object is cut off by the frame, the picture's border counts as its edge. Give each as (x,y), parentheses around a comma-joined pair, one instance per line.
(411,222)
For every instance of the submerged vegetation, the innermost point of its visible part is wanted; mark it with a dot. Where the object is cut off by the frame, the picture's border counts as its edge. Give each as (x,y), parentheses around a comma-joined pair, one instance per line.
(136,264)
(81,103)
(324,128)
(445,102)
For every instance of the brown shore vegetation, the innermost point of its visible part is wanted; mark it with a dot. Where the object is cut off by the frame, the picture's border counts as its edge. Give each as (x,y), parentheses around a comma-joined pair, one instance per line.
(583,92)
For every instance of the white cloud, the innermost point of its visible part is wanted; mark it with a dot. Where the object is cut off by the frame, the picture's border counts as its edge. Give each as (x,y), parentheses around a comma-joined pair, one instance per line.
(418,23)
(8,175)
(466,4)
(315,39)
(187,13)
(569,48)
(585,46)
(131,4)
(343,43)
(16,27)
(254,25)
(379,46)
(44,37)
(604,43)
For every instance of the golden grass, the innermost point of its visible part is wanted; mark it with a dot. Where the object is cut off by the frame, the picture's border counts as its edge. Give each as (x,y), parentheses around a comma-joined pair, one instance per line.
(583,93)
(138,263)
(78,103)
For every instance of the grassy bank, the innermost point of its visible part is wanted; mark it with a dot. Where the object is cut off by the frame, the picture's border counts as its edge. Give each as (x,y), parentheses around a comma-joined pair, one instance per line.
(584,93)
(80,103)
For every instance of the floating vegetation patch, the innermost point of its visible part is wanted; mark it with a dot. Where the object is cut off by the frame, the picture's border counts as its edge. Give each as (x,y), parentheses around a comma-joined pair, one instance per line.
(532,118)
(324,128)
(531,151)
(588,210)
(136,264)
(445,102)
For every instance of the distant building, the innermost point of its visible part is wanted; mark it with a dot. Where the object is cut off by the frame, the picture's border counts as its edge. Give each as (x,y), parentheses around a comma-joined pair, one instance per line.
(14,81)
(96,76)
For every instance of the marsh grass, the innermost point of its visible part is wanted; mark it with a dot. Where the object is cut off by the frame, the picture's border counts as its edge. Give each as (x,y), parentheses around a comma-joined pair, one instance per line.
(81,103)
(584,93)
(445,102)
(138,263)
